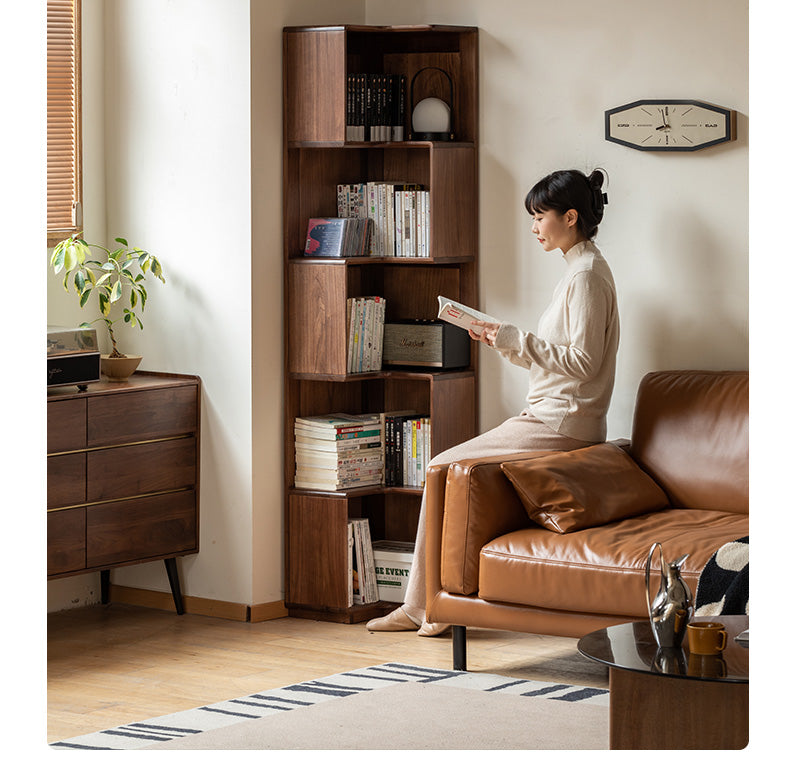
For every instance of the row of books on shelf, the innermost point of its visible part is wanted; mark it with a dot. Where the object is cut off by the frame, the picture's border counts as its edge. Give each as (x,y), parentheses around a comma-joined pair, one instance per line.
(407,448)
(376,570)
(365,322)
(400,213)
(336,452)
(375,107)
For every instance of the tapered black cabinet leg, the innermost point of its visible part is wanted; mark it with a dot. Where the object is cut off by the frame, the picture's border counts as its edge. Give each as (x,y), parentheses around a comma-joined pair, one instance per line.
(175,586)
(459,648)
(105,587)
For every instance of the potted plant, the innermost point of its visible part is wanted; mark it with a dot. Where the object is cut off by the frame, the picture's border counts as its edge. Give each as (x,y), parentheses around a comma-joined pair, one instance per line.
(117,278)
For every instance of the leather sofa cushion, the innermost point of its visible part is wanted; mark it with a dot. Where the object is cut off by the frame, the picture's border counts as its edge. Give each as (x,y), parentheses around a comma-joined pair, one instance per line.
(691,435)
(569,490)
(601,569)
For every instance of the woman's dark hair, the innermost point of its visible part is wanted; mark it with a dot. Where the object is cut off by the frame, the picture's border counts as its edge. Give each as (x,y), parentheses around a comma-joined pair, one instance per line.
(565,190)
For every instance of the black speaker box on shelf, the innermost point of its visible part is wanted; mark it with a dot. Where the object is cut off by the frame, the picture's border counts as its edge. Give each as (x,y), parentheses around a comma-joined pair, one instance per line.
(425,343)
(73,357)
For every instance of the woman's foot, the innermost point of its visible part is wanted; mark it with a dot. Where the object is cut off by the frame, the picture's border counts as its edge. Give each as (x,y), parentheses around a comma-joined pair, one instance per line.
(397,620)
(432,629)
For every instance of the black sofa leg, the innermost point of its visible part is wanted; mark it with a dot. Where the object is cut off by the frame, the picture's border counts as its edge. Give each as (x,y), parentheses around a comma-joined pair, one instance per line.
(459,648)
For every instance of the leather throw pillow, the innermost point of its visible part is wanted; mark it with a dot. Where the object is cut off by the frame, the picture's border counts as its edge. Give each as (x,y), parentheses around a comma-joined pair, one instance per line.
(570,490)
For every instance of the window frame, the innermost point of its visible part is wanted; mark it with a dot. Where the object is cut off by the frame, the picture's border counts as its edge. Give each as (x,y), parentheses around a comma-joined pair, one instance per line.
(70,163)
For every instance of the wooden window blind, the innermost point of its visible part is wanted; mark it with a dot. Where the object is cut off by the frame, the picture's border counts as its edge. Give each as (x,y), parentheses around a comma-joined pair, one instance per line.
(64,149)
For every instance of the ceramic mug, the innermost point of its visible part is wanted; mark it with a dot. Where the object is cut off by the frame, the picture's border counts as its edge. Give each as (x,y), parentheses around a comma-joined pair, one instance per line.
(707,637)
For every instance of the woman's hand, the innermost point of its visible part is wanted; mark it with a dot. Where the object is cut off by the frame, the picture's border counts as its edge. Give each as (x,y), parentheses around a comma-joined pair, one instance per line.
(488,333)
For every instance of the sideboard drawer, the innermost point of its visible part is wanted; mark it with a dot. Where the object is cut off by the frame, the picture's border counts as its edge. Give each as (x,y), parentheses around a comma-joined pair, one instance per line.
(66,425)
(126,471)
(138,528)
(142,415)
(65,480)
(65,541)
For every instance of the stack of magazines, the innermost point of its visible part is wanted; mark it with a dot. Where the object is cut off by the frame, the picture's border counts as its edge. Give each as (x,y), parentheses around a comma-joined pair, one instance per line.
(365,321)
(335,452)
(362,584)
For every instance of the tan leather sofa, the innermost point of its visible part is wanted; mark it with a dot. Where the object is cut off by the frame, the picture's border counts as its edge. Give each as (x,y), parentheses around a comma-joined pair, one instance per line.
(488,564)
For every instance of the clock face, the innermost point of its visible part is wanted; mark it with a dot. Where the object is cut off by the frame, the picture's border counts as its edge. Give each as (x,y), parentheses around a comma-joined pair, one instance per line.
(668,125)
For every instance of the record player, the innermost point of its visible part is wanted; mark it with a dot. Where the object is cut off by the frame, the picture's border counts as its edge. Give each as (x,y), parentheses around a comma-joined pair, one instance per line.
(73,357)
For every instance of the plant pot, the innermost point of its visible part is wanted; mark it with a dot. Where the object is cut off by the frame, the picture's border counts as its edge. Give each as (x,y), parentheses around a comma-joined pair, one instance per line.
(119,369)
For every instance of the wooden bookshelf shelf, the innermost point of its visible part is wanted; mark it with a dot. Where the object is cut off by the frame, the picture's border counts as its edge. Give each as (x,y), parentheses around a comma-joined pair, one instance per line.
(316,159)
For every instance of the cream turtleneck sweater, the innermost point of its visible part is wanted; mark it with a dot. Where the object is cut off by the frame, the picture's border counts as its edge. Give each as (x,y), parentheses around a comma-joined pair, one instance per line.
(571,358)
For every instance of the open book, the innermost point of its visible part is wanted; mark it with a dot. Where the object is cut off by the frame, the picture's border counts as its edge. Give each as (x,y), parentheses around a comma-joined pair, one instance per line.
(461,315)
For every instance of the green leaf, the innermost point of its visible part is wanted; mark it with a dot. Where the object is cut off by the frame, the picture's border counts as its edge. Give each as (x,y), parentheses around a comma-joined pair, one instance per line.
(58,259)
(82,250)
(79,281)
(133,298)
(122,241)
(90,276)
(108,266)
(103,279)
(116,293)
(70,257)
(104,304)
(85,295)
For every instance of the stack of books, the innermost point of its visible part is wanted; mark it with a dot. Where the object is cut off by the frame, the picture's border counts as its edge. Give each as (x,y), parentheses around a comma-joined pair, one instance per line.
(365,321)
(335,452)
(400,213)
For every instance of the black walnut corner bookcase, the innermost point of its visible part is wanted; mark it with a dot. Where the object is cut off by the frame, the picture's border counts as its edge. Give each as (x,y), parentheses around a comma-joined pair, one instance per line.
(123,465)
(317,158)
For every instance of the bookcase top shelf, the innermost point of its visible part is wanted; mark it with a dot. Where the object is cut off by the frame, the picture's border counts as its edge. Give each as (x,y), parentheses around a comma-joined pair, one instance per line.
(395,145)
(373,29)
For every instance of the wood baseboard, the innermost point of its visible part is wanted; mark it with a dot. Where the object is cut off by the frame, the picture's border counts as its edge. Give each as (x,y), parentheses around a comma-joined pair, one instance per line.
(231,611)
(268,611)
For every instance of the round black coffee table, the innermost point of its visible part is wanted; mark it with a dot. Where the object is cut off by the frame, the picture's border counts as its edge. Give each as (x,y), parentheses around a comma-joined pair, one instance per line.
(671,698)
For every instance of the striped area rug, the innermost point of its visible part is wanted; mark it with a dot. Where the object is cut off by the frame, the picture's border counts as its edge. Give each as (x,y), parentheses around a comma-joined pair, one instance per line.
(184,724)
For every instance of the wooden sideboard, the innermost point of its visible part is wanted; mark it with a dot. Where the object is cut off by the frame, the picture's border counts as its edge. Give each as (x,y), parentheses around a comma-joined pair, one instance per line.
(123,466)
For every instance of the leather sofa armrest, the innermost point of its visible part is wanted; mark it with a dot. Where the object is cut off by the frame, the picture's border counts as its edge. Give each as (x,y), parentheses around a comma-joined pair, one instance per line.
(435,480)
(480,504)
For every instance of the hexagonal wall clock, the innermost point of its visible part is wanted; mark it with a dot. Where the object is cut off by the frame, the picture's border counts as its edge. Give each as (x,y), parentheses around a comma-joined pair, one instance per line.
(670,125)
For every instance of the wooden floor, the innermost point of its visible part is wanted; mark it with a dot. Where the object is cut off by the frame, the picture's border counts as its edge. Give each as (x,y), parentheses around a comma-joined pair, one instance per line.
(115,664)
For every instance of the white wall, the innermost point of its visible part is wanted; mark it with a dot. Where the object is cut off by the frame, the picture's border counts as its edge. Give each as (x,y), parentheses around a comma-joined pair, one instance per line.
(183,141)
(170,150)
(675,231)
(62,307)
